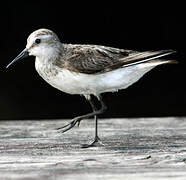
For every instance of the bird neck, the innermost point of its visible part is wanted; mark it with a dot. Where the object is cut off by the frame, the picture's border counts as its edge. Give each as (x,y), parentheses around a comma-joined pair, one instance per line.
(50,54)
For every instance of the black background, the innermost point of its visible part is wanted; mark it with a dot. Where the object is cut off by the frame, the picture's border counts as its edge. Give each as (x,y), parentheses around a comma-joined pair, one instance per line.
(161,92)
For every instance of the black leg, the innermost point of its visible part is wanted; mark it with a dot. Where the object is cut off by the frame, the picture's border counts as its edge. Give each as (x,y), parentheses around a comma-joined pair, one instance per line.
(97,141)
(77,120)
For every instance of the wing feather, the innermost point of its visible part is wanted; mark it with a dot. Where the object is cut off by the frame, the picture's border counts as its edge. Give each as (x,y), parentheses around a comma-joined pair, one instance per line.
(92,59)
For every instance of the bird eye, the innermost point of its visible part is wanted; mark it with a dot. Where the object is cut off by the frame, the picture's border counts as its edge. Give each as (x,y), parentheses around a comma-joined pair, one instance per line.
(37,41)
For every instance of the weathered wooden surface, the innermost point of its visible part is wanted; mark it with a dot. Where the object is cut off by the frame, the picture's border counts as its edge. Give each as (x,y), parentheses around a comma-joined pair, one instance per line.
(145,148)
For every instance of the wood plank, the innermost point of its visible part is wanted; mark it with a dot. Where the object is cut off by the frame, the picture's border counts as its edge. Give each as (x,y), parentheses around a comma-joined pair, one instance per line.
(140,148)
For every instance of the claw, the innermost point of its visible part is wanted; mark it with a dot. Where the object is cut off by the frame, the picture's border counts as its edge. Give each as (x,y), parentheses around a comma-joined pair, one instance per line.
(79,123)
(63,126)
(71,125)
(67,128)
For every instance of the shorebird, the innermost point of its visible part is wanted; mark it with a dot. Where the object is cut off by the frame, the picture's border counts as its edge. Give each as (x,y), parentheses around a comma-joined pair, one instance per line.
(87,70)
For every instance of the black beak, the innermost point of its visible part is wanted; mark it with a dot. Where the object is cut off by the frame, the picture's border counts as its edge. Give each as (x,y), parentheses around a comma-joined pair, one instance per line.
(22,55)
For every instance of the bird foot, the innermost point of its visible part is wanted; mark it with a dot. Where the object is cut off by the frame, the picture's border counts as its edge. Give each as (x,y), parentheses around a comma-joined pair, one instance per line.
(96,143)
(70,125)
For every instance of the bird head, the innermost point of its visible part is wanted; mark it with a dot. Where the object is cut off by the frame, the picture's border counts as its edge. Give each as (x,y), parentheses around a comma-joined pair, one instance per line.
(42,43)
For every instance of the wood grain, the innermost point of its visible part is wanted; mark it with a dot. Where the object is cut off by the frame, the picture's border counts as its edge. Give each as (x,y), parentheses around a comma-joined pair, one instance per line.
(140,148)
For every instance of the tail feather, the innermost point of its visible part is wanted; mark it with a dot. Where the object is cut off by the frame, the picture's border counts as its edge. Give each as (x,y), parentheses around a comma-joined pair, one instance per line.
(147,56)
(157,62)
(171,61)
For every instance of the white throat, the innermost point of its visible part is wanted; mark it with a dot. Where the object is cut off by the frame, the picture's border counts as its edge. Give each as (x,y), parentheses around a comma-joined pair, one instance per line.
(47,53)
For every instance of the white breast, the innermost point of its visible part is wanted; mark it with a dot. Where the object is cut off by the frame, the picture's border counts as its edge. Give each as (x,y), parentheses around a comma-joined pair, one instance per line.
(79,83)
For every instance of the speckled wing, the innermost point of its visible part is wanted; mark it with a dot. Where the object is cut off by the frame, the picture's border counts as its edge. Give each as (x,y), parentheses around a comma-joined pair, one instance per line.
(93,59)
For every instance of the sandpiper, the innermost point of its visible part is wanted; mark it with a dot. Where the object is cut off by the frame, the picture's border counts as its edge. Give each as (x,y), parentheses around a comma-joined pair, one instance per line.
(88,70)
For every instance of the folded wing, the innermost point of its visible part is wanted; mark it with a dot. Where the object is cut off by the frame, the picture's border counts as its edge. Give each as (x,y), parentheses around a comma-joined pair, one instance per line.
(93,59)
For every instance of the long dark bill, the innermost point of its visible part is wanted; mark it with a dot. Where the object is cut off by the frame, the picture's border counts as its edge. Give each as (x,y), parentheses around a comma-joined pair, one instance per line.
(22,55)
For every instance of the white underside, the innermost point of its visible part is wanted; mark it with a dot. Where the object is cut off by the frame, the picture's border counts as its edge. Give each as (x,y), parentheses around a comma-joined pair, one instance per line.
(79,83)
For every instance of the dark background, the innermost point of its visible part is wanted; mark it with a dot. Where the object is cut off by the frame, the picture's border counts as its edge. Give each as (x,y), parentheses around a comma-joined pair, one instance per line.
(161,92)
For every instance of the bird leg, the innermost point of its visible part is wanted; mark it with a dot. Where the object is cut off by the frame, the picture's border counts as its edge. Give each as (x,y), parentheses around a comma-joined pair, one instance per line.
(97,140)
(79,118)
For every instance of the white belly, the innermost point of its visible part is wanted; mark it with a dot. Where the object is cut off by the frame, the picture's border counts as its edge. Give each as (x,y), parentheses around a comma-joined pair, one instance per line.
(79,83)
